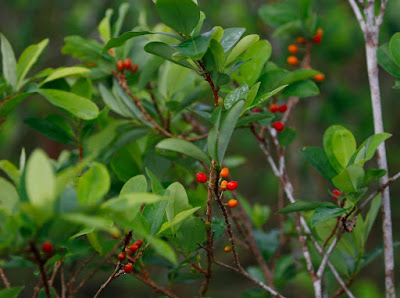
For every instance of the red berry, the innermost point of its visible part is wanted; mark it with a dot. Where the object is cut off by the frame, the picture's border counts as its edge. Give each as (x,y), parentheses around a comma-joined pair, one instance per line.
(121,256)
(273,108)
(120,65)
(139,242)
(336,193)
(283,108)
(279,126)
(232,185)
(201,177)
(47,247)
(128,268)
(317,39)
(127,63)
(256,111)
(134,68)
(133,248)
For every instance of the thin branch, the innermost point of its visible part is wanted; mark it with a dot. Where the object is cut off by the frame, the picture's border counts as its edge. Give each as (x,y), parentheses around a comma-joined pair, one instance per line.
(40,262)
(4,278)
(328,253)
(332,233)
(358,14)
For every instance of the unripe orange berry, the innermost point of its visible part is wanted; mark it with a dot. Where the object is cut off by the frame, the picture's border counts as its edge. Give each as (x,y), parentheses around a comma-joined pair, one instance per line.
(292,60)
(120,65)
(232,203)
(227,248)
(111,52)
(91,64)
(224,173)
(319,32)
(319,77)
(224,184)
(293,49)
(300,40)
(273,108)
(116,234)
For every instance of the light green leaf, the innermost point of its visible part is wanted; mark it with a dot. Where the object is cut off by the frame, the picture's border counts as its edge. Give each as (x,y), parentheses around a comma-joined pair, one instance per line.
(329,147)
(63,72)
(11,170)
(104,27)
(387,61)
(235,95)
(241,46)
(90,221)
(195,47)
(9,62)
(266,96)
(350,179)
(28,58)
(75,104)
(135,184)
(394,47)
(231,37)
(164,249)
(93,185)
(178,219)
(178,200)
(218,54)
(163,50)
(343,146)
(184,147)
(8,196)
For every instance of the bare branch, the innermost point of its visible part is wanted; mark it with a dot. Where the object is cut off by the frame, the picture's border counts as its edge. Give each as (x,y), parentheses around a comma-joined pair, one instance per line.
(4,278)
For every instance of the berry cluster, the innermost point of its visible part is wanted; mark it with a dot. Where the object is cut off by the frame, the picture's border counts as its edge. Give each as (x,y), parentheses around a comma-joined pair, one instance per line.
(294,48)
(130,251)
(127,64)
(278,125)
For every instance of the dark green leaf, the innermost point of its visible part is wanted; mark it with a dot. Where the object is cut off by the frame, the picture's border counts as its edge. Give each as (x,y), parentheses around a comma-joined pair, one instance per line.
(372,175)
(163,50)
(287,136)
(324,213)
(9,62)
(254,117)
(301,89)
(318,159)
(49,129)
(387,61)
(304,206)
(10,292)
(394,47)
(231,37)
(195,47)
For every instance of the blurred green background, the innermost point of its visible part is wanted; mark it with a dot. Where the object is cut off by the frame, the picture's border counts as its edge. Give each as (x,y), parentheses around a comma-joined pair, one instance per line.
(344,100)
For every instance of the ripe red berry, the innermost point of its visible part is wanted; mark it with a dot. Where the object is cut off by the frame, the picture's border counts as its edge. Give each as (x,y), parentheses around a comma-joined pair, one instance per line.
(336,193)
(232,185)
(224,173)
(47,247)
(201,177)
(273,108)
(121,256)
(127,63)
(128,268)
(139,242)
(133,248)
(317,39)
(134,68)
(283,108)
(120,65)
(232,203)
(256,110)
(279,126)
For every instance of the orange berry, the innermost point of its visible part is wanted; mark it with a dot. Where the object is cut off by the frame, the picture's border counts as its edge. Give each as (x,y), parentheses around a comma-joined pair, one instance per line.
(227,248)
(293,49)
(273,108)
(134,68)
(232,203)
(224,173)
(91,64)
(224,184)
(319,77)
(292,60)
(111,52)
(300,40)
(319,32)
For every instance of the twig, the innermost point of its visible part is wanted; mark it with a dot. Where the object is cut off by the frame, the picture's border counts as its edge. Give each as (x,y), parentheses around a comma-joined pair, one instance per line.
(331,234)
(40,263)
(4,278)
(207,77)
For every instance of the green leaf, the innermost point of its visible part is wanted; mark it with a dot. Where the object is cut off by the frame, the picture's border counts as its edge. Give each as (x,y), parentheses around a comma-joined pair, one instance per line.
(7,106)
(329,147)
(228,124)
(235,95)
(40,181)
(260,214)
(120,40)
(115,103)
(301,89)
(104,27)
(8,196)
(278,13)
(218,55)
(156,185)
(394,47)
(28,58)
(93,185)
(254,118)
(83,87)
(303,206)
(287,136)
(63,72)
(131,202)
(135,184)
(241,46)
(10,292)
(184,147)
(75,104)
(372,175)
(89,221)
(324,213)
(298,75)
(343,146)
(371,145)
(163,50)
(9,62)
(290,28)
(178,200)
(164,249)
(122,12)
(371,215)
(231,37)
(181,15)
(319,160)
(266,96)
(195,47)
(50,130)
(190,234)
(350,179)
(387,61)
(181,216)
(12,171)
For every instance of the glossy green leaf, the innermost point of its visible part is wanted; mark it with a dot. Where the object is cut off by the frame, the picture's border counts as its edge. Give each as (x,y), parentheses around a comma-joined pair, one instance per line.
(394,47)
(371,144)
(241,46)
(350,179)
(387,61)
(231,37)
(178,200)
(234,96)
(184,147)
(63,72)
(319,160)
(218,55)
(264,97)
(28,58)
(303,206)
(165,51)
(93,185)
(195,47)
(181,216)
(254,118)
(325,213)
(40,180)
(181,15)
(343,146)
(329,147)
(9,62)
(301,89)
(287,136)
(10,292)
(75,104)
(228,124)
